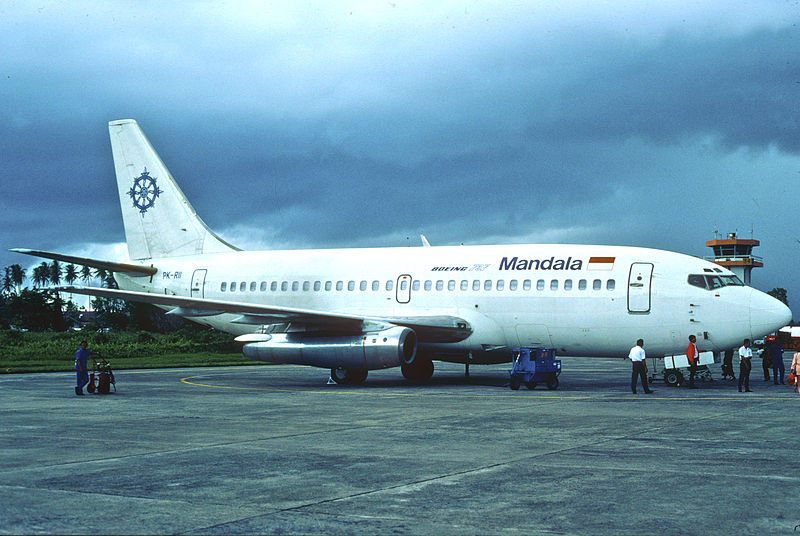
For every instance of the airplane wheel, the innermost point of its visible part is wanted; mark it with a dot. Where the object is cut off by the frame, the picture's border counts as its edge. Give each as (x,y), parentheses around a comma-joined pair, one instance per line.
(420,370)
(514,383)
(348,376)
(531,385)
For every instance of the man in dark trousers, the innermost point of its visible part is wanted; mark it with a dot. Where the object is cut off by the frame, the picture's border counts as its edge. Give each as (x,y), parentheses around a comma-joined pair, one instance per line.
(637,357)
(745,355)
(81,367)
(693,355)
(776,355)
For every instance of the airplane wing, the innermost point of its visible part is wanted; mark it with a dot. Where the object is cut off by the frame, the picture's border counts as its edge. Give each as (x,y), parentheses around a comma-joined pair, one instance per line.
(134,270)
(433,328)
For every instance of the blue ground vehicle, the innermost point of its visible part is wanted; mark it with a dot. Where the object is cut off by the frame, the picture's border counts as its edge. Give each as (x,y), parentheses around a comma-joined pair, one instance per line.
(534,365)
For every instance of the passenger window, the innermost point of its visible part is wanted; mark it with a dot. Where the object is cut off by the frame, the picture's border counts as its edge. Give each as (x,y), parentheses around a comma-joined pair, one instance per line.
(273,286)
(317,286)
(252,286)
(362,286)
(263,286)
(582,284)
(487,285)
(295,286)
(223,287)
(451,285)
(512,285)
(568,284)
(500,284)
(597,284)
(339,285)
(464,284)
(306,286)
(328,285)
(476,285)
(376,285)
(284,286)
(242,286)
(404,284)
(554,284)
(611,284)
(526,284)
(233,286)
(428,284)
(540,284)
(389,285)
(351,285)
(439,285)
(415,285)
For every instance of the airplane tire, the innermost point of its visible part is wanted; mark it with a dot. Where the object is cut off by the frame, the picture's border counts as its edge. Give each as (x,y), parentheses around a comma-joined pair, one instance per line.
(531,385)
(514,383)
(419,370)
(348,376)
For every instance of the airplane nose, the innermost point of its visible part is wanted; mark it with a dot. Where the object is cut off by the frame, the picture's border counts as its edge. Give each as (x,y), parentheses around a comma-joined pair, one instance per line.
(767,314)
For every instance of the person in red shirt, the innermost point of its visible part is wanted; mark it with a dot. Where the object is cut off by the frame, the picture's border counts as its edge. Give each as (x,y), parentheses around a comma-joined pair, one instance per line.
(693,355)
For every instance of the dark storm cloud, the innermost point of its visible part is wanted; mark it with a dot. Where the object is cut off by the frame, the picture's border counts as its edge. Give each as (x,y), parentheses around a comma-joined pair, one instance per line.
(327,125)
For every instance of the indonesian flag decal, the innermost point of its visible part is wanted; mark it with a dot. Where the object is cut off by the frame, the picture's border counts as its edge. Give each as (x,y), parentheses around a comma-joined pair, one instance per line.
(601,263)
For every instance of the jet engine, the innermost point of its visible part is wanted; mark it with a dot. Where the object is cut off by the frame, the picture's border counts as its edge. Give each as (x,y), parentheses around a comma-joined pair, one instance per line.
(368,351)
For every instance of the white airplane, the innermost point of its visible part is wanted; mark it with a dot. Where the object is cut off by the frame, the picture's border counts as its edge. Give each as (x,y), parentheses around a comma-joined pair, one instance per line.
(355,310)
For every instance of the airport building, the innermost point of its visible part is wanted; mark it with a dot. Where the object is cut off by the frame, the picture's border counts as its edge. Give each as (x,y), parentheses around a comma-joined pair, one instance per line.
(735,254)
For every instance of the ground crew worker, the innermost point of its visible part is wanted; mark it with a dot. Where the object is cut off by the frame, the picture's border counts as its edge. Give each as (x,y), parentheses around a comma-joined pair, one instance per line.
(637,357)
(745,355)
(693,355)
(81,367)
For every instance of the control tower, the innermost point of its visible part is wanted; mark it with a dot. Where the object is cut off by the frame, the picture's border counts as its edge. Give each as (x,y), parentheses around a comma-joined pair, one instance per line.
(736,255)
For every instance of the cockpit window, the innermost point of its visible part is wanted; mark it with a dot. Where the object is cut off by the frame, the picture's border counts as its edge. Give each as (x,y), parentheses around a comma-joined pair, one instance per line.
(712,282)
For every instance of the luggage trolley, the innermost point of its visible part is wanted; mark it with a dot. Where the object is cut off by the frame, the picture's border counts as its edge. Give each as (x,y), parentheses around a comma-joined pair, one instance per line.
(104,376)
(674,369)
(534,365)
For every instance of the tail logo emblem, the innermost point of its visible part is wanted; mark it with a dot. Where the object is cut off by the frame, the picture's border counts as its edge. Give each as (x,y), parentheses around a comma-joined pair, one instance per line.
(144,191)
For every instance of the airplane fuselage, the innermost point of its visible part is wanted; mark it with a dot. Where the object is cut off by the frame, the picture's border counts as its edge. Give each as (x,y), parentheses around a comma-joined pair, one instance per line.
(583,300)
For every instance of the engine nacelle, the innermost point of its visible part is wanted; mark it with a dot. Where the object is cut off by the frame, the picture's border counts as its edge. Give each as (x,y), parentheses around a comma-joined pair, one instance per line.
(369,351)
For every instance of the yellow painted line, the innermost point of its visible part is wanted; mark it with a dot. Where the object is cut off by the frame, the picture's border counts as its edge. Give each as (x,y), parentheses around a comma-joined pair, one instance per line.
(540,395)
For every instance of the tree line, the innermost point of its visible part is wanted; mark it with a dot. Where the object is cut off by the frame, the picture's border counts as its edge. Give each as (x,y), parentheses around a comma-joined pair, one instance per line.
(40,307)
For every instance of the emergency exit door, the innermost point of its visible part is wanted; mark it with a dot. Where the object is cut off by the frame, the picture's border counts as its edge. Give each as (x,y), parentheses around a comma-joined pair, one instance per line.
(639,287)
(199,283)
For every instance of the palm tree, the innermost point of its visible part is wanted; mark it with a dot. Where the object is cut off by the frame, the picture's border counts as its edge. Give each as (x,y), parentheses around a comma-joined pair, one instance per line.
(8,284)
(55,272)
(41,275)
(86,273)
(70,274)
(17,275)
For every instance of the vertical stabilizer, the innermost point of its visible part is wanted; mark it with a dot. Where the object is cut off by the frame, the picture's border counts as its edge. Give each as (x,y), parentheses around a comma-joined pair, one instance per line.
(159,220)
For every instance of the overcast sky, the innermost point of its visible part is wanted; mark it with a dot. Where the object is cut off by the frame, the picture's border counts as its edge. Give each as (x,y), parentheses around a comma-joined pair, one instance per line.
(333,124)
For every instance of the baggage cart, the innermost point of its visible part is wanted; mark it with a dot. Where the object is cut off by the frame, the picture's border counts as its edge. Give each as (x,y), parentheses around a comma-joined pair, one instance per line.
(532,366)
(674,369)
(101,378)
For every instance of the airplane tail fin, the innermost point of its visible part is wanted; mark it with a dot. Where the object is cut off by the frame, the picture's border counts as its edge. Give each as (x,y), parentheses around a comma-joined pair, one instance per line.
(159,220)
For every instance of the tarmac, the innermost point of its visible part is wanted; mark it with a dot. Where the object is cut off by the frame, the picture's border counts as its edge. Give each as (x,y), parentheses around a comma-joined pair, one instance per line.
(278,450)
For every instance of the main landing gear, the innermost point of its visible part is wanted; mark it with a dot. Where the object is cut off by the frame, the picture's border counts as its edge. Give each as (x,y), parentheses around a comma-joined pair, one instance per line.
(348,376)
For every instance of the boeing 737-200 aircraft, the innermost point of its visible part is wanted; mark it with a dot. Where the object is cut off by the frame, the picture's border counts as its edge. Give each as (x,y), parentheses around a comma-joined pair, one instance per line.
(355,310)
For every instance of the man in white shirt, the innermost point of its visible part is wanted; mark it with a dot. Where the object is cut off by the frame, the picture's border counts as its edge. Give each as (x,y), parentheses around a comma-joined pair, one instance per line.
(745,355)
(637,357)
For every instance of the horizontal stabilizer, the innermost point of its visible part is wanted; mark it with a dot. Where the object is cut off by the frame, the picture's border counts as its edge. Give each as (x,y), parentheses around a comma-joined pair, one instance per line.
(134,270)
